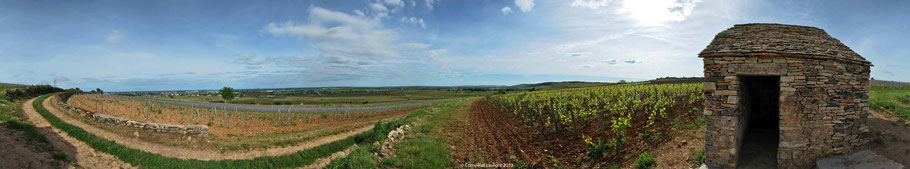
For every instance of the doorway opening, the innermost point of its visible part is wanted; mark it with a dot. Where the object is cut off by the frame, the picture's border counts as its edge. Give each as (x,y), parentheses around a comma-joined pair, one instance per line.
(760,105)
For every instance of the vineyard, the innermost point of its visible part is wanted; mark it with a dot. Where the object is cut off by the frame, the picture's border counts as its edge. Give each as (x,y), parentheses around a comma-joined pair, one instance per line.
(226,121)
(610,120)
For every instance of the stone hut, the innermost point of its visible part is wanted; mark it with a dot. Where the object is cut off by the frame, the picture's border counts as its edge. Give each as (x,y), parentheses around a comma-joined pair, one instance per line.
(782,96)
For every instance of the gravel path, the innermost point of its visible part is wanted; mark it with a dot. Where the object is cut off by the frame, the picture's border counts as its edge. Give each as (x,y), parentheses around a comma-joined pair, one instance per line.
(183,153)
(269,108)
(85,156)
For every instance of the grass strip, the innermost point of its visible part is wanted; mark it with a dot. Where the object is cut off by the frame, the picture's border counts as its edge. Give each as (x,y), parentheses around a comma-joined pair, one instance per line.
(144,159)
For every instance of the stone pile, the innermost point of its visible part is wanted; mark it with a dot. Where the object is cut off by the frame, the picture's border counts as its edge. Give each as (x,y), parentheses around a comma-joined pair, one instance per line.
(156,127)
(388,147)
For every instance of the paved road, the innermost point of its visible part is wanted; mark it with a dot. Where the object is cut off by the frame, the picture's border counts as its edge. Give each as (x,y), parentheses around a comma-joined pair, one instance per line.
(269,108)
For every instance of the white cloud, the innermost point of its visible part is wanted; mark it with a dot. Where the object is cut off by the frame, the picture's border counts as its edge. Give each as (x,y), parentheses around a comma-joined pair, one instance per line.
(525,5)
(114,38)
(414,21)
(359,13)
(591,4)
(339,35)
(657,12)
(353,49)
(430,4)
(506,10)
(379,8)
(412,3)
(397,3)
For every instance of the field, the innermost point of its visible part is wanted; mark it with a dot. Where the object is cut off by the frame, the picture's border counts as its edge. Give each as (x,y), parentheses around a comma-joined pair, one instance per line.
(333,97)
(892,99)
(236,129)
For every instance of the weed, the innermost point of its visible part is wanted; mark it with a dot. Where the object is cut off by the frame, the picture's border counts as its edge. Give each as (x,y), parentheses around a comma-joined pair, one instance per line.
(699,157)
(645,161)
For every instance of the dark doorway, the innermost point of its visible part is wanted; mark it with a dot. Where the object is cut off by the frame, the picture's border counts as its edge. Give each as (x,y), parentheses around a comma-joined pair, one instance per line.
(760,103)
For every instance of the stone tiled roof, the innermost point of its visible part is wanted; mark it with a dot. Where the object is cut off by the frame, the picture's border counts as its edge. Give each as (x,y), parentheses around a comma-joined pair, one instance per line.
(761,39)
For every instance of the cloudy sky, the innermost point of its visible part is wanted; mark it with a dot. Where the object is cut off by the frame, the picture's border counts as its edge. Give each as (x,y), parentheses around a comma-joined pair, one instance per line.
(171,45)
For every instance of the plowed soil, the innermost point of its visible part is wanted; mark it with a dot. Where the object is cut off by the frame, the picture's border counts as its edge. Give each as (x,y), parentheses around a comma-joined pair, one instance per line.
(498,137)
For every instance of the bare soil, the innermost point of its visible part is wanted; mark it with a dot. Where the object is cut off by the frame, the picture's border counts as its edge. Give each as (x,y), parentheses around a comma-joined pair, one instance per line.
(890,137)
(20,152)
(85,156)
(184,153)
(680,152)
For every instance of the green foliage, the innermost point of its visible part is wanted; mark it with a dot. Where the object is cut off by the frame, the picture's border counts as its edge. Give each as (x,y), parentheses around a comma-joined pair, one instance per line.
(422,151)
(699,157)
(227,93)
(598,150)
(645,161)
(28,92)
(891,99)
(358,158)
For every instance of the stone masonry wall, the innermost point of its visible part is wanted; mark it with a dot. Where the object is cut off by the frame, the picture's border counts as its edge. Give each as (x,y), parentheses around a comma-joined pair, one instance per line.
(823,109)
(156,127)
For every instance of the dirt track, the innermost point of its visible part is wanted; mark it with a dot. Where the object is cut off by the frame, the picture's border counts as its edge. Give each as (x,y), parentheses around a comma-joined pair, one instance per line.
(84,155)
(170,151)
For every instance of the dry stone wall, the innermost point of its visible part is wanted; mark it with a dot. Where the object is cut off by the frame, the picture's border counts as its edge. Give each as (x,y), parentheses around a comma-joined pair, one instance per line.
(823,106)
(156,127)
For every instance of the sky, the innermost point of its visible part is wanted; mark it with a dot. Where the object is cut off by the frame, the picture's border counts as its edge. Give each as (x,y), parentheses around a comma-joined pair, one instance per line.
(187,45)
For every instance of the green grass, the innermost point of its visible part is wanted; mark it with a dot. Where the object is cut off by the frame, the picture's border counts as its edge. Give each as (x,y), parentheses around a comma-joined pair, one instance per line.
(424,149)
(358,158)
(891,99)
(150,160)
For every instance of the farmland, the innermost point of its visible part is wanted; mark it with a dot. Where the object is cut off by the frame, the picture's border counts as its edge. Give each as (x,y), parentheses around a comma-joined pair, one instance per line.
(322,97)
(236,129)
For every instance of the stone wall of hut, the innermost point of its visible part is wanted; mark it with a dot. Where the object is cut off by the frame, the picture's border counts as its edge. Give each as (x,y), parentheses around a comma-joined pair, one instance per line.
(823,106)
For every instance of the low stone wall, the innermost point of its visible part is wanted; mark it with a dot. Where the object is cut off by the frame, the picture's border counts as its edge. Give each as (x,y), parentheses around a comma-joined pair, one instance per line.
(157,127)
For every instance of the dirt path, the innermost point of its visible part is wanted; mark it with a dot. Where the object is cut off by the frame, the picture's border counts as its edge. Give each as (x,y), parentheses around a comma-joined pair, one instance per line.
(21,152)
(84,155)
(177,152)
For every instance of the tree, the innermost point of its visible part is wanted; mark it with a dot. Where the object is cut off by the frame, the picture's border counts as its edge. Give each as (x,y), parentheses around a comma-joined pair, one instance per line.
(99,90)
(256,94)
(227,94)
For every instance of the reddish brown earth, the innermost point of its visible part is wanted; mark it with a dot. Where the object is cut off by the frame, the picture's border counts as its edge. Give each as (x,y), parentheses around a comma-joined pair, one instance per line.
(19,152)
(497,137)
(252,123)
(890,137)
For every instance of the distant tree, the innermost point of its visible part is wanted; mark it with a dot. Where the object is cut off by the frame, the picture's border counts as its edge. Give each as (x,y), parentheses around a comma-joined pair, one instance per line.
(99,91)
(873,78)
(256,94)
(622,81)
(227,94)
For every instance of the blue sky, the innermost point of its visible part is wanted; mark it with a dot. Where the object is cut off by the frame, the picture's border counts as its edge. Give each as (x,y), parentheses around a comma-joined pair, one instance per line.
(171,45)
